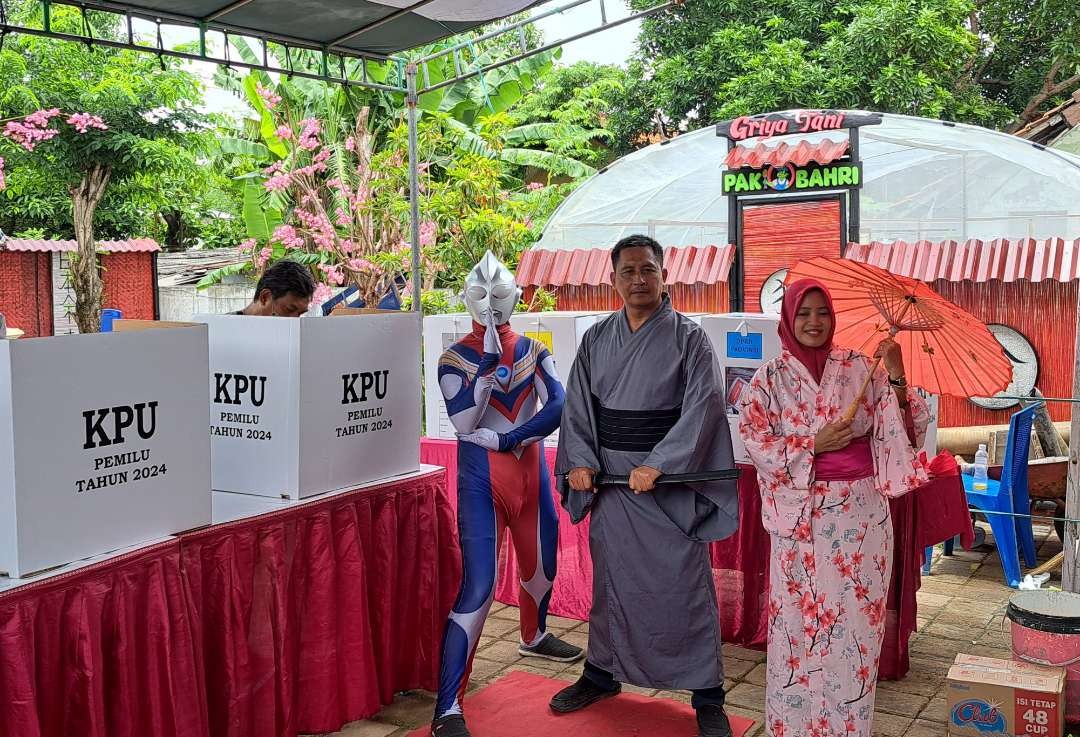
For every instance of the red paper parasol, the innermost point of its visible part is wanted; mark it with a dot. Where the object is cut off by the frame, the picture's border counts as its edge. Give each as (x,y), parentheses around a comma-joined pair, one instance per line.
(946,350)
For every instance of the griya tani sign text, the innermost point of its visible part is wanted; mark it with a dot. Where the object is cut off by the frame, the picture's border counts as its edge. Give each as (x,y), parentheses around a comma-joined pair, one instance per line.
(792,123)
(113,427)
(791,178)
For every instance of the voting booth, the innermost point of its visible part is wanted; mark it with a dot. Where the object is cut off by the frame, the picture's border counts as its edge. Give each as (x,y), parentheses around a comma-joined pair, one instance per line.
(440,332)
(745,341)
(559,332)
(300,407)
(103,442)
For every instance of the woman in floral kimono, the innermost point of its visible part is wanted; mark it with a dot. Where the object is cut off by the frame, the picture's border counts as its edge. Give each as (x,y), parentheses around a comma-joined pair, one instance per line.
(825,487)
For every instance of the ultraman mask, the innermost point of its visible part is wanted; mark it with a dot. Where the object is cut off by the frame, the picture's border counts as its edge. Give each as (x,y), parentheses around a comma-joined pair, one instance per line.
(490,289)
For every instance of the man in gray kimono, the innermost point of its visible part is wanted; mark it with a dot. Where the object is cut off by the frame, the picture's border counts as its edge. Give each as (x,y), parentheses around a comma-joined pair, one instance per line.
(645,398)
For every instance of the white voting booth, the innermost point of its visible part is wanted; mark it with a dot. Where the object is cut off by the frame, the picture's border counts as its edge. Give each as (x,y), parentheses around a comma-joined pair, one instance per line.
(560,332)
(102,442)
(305,406)
(743,342)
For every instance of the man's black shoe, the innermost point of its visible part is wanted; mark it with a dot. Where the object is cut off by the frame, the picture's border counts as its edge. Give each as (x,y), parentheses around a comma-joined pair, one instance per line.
(580,695)
(451,725)
(713,722)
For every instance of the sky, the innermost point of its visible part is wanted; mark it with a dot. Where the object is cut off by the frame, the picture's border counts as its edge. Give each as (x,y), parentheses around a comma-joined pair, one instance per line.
(612,46)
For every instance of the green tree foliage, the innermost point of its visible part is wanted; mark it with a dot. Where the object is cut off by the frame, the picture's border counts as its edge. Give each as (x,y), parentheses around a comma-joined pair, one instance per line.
(148,109)
(992,62)
(592,101)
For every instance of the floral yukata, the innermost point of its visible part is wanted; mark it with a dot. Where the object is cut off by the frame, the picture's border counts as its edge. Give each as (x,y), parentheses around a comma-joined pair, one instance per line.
(831,541)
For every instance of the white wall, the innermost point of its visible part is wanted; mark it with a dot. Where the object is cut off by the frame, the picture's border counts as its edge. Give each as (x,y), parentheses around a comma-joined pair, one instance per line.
(178,304)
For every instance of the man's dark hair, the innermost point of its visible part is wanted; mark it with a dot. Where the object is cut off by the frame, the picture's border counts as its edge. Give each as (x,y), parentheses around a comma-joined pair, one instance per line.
(286,277)
(637,241)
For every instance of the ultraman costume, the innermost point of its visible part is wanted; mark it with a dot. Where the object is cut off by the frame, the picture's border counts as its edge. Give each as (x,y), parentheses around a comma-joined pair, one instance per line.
(503,397)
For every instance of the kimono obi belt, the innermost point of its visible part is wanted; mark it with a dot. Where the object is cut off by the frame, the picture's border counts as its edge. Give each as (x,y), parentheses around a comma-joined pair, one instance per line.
(633,431)
(853,463)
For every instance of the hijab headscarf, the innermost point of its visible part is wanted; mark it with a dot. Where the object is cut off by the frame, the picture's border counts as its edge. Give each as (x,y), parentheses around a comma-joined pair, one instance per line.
(814,359)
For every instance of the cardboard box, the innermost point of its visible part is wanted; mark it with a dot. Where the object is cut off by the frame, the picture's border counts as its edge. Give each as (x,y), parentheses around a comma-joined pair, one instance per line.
(103,442)
(991,697)
(304,406)
(560,332)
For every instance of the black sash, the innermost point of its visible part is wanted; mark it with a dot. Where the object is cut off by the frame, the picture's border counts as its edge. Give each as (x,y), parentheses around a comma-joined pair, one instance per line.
(634,431)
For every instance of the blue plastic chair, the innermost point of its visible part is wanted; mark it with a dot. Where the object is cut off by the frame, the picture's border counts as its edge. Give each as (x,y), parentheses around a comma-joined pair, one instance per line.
(1010,494)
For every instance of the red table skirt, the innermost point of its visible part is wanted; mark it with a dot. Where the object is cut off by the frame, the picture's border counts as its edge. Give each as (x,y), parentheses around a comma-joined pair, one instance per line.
(296,621)
(740,563)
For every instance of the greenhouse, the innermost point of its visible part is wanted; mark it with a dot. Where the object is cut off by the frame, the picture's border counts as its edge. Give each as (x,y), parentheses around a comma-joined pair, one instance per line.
(923,180)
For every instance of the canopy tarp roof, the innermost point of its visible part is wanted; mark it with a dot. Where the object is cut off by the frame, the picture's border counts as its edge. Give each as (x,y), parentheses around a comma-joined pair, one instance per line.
(358,27)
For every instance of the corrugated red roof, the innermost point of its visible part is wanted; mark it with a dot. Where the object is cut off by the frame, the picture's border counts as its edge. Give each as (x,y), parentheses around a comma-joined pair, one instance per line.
(135,245)
(975,260)
(592,266)
(762,155)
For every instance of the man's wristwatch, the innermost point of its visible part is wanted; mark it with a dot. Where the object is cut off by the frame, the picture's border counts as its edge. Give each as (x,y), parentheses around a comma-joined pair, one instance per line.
(899,383)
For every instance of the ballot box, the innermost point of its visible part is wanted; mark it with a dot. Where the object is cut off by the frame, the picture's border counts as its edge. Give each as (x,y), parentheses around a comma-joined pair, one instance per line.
(300,407)
(103,442)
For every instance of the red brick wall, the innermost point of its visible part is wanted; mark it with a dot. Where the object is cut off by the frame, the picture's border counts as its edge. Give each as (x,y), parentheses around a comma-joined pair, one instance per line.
(26,291)
(129,284)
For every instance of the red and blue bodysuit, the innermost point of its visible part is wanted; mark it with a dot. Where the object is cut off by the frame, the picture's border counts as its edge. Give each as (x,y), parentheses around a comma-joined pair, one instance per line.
(502,406)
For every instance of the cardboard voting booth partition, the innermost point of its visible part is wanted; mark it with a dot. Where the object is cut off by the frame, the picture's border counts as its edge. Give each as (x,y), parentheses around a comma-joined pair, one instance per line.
(102,442)
(743,342)
(560,332)
(440,332)
(306,406)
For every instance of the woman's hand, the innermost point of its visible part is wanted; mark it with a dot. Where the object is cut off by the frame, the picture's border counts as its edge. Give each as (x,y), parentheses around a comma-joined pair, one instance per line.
(834,436)
(891,357)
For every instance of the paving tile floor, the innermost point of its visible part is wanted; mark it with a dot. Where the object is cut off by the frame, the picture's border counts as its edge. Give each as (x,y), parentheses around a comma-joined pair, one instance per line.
(961,609)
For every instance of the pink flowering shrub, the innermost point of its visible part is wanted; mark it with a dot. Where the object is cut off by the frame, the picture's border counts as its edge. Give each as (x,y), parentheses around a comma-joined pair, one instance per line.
(36,128)
(347,211)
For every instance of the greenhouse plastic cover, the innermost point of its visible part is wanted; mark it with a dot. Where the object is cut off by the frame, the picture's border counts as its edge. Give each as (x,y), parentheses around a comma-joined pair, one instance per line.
(923,180)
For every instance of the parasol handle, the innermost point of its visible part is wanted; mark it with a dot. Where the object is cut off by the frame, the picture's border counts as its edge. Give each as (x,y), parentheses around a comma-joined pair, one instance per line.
(849,414)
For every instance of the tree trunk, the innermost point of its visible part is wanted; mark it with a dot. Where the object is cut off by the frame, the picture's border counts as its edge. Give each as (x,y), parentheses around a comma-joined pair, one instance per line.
(1048,90)
(85,273)
(1049,438)
(175,230)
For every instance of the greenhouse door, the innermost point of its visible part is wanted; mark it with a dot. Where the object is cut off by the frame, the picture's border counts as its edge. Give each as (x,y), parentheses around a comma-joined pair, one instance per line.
(776,235)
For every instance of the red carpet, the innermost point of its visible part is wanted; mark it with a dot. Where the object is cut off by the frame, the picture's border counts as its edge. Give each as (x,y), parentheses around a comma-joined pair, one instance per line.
(516,705)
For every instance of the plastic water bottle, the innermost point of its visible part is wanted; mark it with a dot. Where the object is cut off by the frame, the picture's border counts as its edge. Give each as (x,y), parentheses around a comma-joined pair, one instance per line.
(980,484)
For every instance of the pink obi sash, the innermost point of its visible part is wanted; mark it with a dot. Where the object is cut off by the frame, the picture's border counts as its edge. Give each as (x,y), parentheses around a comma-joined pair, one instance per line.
(853,463)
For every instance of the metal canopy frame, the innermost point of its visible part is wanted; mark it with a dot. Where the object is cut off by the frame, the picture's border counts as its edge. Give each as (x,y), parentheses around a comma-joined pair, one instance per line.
(333,59)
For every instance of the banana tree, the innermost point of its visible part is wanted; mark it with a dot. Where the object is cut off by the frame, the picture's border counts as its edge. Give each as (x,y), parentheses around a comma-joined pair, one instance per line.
(495,136)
